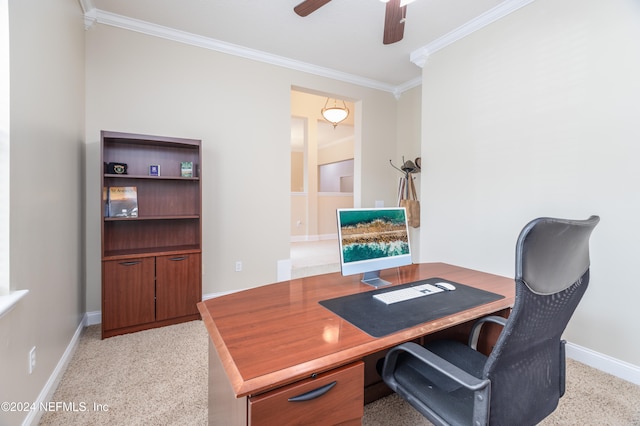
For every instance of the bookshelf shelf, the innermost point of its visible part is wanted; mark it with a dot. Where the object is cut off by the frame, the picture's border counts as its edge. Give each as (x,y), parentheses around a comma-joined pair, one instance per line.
(128,176)
(140,218)
(151,260)
(151,251)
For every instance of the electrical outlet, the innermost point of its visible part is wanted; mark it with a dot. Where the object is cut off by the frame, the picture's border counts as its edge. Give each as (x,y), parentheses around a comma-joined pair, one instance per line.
(238,266)
(32,359)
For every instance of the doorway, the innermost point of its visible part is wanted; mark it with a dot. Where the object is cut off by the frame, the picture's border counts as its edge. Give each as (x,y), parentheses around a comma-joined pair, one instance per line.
(322,176)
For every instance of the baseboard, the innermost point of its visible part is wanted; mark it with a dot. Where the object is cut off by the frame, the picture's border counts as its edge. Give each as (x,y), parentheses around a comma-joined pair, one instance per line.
(218,294)
(93,318)
(33,418)
(283,270)
(610,365)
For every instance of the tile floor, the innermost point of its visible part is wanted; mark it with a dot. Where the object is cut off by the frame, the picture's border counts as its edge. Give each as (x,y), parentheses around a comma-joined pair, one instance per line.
(314,258)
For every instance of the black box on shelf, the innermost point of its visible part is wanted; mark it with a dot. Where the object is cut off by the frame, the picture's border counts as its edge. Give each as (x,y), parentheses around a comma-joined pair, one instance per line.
(116,168)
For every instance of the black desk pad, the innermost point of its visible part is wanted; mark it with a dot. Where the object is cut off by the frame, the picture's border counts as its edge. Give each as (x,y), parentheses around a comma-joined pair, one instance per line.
(378,319)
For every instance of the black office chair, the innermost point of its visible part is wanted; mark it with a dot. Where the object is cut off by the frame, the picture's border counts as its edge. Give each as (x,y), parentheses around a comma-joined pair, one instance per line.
(523,378)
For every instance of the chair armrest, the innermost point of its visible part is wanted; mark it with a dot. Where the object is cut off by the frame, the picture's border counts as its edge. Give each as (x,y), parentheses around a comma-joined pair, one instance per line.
(434,361)
(477,327)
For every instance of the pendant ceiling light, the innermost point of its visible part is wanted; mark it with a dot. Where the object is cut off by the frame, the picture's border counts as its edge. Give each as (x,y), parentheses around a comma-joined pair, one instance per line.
(335,114)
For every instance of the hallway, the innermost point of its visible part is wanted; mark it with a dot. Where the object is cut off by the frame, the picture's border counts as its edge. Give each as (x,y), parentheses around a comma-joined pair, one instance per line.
(314,258)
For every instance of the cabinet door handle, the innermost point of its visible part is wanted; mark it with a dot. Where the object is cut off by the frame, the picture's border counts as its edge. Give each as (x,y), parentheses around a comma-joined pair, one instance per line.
(316,393)
(178,258)
(129,263)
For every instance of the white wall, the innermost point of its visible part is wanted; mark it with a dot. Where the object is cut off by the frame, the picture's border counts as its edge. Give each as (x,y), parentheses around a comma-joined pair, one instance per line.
(537,115)
(241,110)
(46,184)
(409,131)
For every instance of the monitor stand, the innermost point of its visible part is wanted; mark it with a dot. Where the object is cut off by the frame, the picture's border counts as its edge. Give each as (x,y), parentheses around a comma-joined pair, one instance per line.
(373,279)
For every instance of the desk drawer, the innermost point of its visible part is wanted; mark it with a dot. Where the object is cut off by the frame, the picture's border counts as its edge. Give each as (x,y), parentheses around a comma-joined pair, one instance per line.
(343,401)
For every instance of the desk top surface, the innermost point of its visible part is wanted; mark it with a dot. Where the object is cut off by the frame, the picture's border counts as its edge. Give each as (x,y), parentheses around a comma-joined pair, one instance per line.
(279,333)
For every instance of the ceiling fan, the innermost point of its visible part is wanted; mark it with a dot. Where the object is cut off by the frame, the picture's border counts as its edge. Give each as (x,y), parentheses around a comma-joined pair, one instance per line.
(394,18)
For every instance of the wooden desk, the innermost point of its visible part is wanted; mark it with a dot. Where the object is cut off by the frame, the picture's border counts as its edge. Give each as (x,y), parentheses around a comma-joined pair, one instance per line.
(277,341)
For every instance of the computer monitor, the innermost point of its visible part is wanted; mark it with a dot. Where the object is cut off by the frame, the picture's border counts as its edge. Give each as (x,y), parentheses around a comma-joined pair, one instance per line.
(372,239)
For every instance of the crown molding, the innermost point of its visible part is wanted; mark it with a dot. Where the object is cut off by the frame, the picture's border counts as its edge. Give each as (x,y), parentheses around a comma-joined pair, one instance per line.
(399,90)
(106,18)
(86,5)
(420,56)
(89,11)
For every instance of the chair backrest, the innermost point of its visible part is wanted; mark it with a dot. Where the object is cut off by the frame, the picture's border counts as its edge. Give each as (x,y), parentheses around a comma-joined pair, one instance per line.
(526,366)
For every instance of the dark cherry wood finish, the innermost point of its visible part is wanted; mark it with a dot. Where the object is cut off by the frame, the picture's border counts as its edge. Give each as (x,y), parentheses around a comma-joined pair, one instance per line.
(130,297)
(177,284)
(168,226)
(309,6)
(339,405)
(394,18)
(275,335)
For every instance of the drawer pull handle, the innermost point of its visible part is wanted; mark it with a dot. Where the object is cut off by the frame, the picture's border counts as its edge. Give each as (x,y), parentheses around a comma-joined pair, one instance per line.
(178,258)
(129,263)
(316,393)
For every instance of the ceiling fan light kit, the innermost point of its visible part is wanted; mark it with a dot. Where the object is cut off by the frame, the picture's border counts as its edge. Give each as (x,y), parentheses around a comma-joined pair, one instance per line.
(335,114)
(394,18)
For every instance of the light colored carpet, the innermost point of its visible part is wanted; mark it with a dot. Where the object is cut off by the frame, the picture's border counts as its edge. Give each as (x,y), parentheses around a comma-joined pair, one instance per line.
(159,377)
(153,377)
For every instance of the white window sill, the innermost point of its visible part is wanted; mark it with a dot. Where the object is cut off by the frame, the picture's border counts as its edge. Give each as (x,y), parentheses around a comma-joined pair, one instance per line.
(9,301)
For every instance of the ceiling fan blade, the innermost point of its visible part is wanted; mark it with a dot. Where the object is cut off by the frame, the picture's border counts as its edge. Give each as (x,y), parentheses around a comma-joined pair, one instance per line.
(309,6)
(394,22)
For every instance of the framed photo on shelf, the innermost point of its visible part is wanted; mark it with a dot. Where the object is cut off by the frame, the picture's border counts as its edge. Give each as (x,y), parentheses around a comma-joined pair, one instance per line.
(154,170)
(186,169)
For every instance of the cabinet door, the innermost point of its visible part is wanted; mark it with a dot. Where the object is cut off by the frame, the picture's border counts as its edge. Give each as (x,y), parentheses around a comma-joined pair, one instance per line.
(178,285)
(128,292)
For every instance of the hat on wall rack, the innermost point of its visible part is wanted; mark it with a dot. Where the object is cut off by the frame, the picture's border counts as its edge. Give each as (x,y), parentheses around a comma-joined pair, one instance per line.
(335,114)
(408,166)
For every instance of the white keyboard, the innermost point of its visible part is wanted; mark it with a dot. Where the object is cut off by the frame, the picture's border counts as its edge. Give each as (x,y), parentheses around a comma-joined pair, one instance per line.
(407,293)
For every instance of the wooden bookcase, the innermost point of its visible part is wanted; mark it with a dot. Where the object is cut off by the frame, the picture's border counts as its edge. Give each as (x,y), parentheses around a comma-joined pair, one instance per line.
(151,262)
